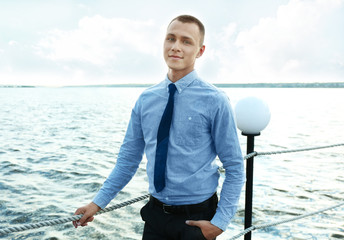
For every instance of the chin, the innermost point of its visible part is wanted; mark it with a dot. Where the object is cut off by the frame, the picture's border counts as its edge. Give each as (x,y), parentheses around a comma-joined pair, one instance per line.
(175,67)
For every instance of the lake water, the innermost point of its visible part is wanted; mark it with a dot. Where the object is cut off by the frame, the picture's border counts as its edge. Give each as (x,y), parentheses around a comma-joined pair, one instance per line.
(58,145)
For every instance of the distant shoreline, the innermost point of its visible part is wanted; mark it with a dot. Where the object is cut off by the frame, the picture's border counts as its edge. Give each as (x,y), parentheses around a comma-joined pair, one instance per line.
(221,85)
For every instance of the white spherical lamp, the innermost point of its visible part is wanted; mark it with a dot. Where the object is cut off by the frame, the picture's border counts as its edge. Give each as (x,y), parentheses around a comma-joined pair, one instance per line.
(252,115)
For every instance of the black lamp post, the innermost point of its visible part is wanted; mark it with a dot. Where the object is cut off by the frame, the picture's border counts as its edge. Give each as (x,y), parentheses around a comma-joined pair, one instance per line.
(249,183)
(252,116)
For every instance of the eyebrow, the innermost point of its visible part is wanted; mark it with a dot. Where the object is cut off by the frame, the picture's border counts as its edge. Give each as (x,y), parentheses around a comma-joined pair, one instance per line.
(183,37)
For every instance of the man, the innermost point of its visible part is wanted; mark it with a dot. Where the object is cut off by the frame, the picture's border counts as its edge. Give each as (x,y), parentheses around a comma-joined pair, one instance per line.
(183,176)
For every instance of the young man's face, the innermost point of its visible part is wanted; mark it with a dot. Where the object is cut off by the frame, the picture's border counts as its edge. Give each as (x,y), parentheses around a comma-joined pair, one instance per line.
(182,47)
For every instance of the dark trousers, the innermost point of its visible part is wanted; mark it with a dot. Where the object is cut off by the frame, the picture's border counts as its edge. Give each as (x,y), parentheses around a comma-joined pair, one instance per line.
(166,224)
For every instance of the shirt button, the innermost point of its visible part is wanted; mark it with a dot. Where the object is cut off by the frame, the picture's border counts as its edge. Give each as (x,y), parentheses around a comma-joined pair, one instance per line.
(190,118)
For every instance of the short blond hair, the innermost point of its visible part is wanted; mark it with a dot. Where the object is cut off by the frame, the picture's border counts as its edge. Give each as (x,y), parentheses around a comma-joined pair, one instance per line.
(192,19)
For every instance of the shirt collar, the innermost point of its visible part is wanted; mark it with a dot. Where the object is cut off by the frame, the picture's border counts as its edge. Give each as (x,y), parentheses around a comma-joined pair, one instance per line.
(182,83)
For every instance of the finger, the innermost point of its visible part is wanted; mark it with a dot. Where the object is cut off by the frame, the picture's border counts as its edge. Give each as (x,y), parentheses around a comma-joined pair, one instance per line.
(90,219)
(84,219)
(76,224)
(79,211)
(192,223)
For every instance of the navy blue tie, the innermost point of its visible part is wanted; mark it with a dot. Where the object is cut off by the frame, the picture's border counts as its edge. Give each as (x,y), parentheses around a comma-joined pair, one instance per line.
(162,142)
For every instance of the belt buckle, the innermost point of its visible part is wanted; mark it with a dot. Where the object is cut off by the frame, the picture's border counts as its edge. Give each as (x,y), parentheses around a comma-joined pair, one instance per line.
(164,206)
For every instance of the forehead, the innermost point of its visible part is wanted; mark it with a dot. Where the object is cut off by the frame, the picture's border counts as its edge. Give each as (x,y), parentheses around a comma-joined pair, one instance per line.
(189,30)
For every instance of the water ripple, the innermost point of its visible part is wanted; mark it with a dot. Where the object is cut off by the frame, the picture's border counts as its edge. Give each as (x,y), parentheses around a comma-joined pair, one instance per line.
(57,146)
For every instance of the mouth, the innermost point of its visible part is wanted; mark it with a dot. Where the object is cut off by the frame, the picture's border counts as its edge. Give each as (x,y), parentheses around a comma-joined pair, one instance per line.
(175,57)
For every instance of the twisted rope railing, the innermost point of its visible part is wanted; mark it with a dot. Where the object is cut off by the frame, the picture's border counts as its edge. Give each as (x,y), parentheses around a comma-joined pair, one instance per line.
(267,225)
(68,219)
(126,203)
(293,150)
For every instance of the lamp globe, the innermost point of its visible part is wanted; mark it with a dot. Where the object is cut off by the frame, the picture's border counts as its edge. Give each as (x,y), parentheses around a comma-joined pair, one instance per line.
(252,115)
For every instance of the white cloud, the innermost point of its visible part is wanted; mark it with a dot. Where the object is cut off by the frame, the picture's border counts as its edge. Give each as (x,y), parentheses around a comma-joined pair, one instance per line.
(12,43)
(100,41)
(301,42)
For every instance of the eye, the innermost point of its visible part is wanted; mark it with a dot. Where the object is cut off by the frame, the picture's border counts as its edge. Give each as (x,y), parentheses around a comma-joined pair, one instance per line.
(188,42)
(170,39)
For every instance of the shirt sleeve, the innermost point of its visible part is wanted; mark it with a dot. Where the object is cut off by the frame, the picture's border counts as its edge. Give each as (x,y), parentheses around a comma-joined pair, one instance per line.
(129,158)
(224,134)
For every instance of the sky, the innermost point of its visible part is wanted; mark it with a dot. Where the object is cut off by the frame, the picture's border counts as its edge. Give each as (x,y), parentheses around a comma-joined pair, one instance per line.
(86,42)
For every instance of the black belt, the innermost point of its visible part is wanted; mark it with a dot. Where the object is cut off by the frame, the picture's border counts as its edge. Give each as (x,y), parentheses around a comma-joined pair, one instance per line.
(184,209)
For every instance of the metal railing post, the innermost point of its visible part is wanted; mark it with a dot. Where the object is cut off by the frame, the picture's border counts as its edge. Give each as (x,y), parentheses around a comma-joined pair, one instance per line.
(249,184)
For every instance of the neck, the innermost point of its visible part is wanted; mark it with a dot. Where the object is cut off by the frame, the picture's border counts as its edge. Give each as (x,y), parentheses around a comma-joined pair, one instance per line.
(174,76)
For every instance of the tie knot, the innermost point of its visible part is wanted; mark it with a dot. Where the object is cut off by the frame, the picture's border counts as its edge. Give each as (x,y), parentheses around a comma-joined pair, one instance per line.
(172,88)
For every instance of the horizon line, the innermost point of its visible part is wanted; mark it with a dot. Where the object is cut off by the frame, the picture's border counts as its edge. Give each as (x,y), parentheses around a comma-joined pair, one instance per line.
(224,85)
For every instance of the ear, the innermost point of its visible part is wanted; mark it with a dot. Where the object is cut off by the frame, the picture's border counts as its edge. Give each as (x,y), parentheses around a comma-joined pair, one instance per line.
(200,52)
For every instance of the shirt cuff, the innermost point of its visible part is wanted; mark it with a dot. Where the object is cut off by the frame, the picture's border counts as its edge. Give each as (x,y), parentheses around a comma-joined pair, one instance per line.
(100,200)
(220,222)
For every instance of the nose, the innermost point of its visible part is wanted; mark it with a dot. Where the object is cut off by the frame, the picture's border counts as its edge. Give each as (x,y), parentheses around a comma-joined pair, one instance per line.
(176,46)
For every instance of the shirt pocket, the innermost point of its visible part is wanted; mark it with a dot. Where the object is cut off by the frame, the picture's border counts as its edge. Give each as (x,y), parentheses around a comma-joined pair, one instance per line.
(188,130)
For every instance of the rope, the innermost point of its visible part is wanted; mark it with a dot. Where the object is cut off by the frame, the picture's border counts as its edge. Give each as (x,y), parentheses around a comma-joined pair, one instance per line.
(123,204)
(67,219)
(252,154)
(267,225)
(297,150)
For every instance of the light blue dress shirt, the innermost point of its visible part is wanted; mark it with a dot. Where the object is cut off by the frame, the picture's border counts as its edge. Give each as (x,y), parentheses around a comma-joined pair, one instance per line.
(202,128)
